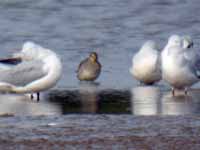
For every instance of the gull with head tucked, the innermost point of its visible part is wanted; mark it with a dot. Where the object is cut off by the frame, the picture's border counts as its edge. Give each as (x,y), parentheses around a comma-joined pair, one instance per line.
(37,69)
(146,64)
(179,69)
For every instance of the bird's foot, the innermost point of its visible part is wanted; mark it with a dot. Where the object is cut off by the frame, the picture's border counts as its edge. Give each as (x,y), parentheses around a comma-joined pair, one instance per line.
(173,92)
(186,91)
(32,97)
(37,98)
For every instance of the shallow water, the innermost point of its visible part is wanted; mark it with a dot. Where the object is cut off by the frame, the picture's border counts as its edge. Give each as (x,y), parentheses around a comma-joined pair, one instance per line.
(141,100)
(115,29)
(89,99)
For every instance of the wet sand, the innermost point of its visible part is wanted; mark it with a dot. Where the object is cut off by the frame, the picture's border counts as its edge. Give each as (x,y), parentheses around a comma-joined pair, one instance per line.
(100,132)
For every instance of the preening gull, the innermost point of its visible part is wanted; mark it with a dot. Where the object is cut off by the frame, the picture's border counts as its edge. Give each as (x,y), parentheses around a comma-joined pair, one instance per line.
(146,64)
(38,69)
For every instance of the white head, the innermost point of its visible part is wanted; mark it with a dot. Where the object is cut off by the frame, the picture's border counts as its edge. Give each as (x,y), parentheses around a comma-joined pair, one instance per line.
(174,40)
(28,46)
(149,45)
(31,51)
(187,42)
(28,52)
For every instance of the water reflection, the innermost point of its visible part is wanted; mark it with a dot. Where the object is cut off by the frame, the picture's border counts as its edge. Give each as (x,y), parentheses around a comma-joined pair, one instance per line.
(181,104)
(89,98)
(145,100)
(22,105)
(149,100)
(177,105)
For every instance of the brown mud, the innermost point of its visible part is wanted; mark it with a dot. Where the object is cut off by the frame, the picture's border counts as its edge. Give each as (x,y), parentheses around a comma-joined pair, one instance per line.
(100,132)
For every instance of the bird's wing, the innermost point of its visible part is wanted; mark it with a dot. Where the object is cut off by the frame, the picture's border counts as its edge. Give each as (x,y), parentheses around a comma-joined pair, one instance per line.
(191,54)
(81,64)
(192,59)
(196,67)
(158,62)
(10,61)
(23,73)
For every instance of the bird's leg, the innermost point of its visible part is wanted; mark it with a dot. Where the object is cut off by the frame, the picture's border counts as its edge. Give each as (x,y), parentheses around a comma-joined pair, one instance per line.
(32,96)
(173,91)
(38,96)
(186,91)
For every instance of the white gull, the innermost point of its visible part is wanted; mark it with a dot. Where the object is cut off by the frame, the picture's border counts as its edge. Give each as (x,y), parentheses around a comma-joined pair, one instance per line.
(39,70)
(179,69)
(146,64)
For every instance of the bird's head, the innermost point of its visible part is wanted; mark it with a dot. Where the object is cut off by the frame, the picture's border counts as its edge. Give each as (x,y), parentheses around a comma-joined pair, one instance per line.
(174,40)
(150,45)
(93,57)
(28,51)
(187,42)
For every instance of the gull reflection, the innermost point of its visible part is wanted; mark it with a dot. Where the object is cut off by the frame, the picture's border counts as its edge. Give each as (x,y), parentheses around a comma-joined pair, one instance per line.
(145,100)
(22,105)
(180,104)
(89,97)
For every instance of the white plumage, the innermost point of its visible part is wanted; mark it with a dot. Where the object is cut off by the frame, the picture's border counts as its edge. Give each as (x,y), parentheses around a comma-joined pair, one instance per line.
(146,64)
(39,70)
(178,68)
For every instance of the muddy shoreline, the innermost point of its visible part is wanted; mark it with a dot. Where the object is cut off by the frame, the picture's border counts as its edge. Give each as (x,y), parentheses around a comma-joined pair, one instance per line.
(100,132)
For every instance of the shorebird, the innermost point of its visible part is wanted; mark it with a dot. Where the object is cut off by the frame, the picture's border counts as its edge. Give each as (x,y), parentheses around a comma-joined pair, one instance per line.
(89,69)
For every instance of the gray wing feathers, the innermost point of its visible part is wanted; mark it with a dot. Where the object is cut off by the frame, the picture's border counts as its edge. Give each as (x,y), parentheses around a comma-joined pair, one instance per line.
(23,73)
(197,68)
(82,64)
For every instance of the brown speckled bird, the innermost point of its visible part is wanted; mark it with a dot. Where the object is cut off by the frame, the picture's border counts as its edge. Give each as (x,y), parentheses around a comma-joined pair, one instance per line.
(89,69)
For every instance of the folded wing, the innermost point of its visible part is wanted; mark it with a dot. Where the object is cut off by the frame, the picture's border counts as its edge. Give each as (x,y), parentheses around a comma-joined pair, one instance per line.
(23,73)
